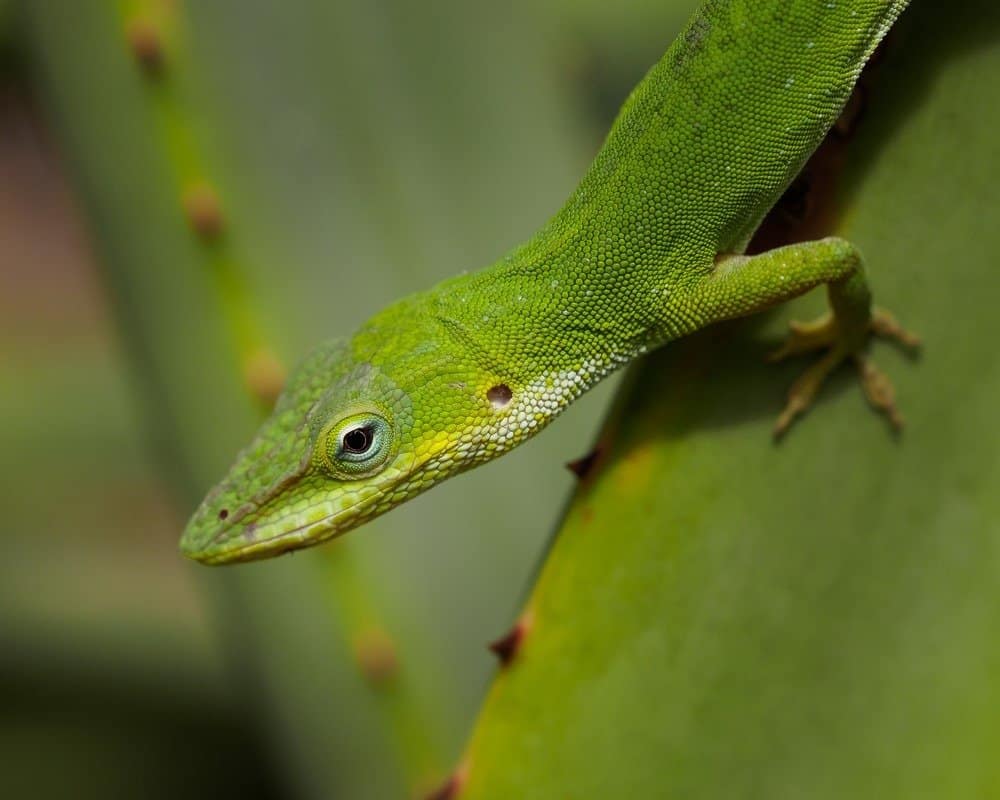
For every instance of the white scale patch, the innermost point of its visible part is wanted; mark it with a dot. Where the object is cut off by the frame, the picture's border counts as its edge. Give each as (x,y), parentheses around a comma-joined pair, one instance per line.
(529,409)
(538,403)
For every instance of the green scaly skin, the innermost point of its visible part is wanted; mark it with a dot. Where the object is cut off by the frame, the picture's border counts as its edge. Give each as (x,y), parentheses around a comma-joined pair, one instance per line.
(646,250)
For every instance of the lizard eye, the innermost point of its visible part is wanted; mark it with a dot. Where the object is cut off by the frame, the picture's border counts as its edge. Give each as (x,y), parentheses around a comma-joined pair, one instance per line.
(357,446)
(358,440)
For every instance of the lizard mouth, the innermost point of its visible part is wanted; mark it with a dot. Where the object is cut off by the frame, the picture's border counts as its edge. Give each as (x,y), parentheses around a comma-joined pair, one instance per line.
(306,535)
(294,531)
(265,535)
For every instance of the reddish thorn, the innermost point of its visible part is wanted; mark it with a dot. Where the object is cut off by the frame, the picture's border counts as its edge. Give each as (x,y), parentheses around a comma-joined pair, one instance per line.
(582,466)
(146,44)
(451,787)
(508,645)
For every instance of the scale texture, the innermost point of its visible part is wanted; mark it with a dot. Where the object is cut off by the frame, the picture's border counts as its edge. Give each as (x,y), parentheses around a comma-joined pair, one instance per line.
(647,249)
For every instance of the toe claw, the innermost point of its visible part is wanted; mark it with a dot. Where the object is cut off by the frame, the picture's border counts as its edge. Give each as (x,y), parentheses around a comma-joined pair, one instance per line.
(825,332)
(804,390)
(884,324)
(793,408)
(879,391)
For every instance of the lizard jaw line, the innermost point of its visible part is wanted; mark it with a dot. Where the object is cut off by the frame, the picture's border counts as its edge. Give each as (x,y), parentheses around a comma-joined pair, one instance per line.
(315,532)
(296,538)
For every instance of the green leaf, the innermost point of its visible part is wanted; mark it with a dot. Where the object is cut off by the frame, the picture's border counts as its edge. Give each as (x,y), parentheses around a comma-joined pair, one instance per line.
(723,617)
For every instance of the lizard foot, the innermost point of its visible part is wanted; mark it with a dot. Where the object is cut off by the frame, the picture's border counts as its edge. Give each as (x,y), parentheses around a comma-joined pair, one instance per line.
(825,333)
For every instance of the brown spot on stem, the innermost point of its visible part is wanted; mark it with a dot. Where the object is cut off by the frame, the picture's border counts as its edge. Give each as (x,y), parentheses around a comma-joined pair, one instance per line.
(508,645)
(451,787)
(376,655)
(146,43)
(204,212)
(264,375)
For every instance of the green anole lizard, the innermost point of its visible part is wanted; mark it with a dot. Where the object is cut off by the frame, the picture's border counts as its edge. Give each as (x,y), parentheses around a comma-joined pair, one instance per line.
(648,248)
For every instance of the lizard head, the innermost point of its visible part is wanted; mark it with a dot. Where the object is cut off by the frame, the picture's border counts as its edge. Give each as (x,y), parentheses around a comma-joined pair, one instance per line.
(346,442)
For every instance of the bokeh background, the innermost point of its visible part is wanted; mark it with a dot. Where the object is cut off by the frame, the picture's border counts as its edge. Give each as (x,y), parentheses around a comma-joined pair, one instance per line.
(361,150)
(194,193)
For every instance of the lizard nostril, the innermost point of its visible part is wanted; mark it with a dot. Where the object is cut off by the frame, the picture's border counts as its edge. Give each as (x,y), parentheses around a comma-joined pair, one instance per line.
(224,513)
(499,395)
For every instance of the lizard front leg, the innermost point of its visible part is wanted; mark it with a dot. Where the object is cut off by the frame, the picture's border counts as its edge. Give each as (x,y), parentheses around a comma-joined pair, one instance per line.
(742,285)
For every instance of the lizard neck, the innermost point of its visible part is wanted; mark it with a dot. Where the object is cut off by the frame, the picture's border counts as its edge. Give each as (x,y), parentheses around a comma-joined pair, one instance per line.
(571,320)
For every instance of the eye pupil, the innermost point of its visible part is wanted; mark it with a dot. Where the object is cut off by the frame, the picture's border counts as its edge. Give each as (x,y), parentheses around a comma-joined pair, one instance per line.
(358,440)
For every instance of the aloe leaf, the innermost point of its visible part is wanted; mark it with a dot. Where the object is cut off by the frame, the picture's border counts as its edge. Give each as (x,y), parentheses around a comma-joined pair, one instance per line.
(723,617)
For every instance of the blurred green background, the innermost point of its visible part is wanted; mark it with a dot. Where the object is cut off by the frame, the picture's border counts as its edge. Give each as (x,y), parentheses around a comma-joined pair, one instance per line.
(363,150)
(345,152)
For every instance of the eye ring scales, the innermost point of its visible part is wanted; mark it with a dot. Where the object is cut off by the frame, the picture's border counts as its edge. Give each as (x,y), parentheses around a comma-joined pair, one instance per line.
(357,446)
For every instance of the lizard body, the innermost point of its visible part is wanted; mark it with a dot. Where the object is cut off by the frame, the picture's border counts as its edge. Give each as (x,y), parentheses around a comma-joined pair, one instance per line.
(647,249)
